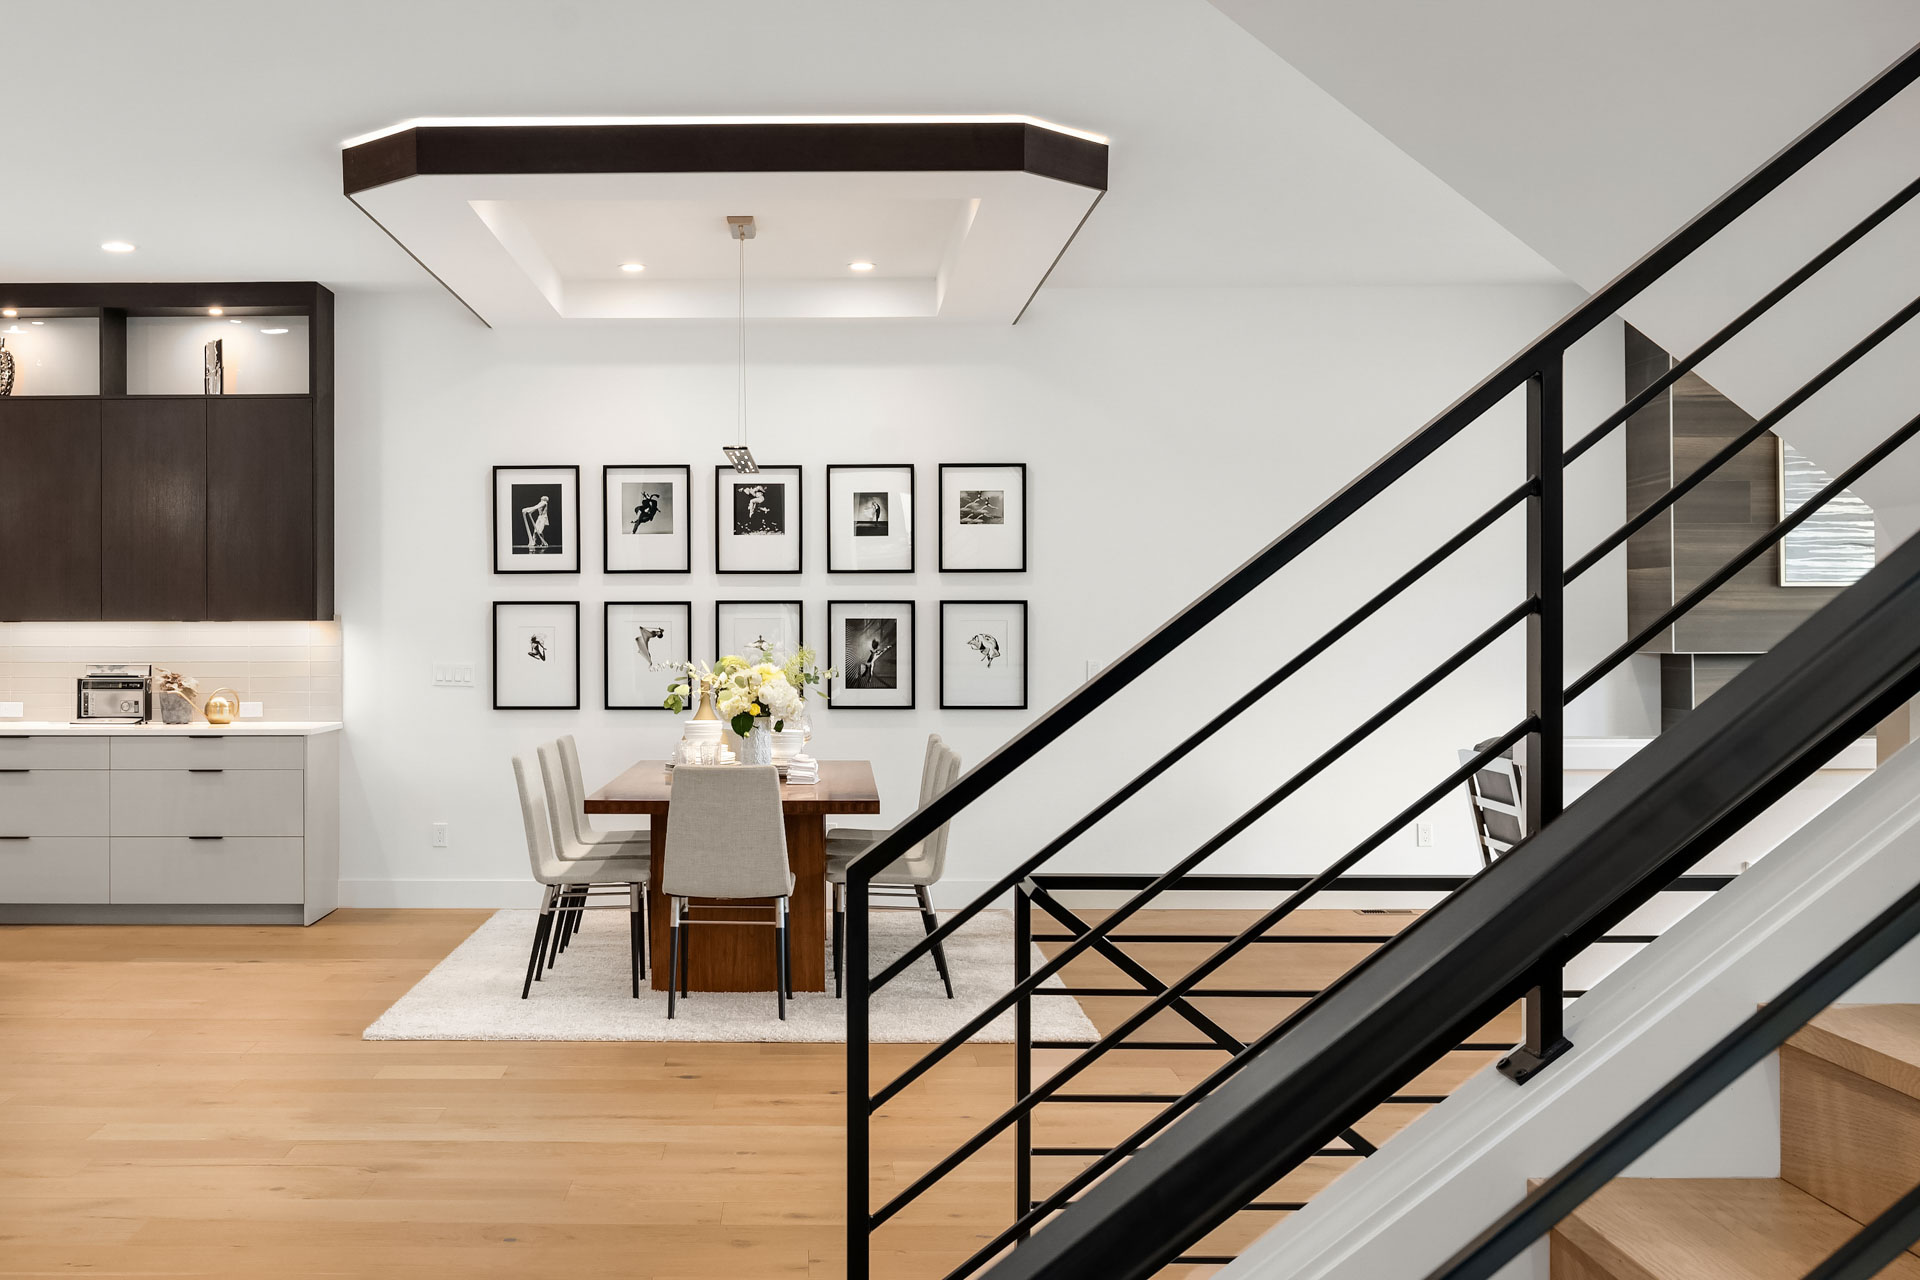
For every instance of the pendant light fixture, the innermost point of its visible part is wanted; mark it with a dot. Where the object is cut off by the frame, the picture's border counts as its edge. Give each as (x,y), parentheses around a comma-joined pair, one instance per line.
(741,228)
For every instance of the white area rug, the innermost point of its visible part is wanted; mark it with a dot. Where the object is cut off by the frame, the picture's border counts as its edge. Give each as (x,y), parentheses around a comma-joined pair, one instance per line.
(474,994)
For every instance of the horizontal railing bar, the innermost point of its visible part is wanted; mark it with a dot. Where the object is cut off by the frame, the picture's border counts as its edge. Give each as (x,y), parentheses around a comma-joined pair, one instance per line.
(1212,845)
(1683,367)
(1723,575)
(1344,939)
(1733,447)
(1175,1046)
(1083,1153)
(1258,1206)
(1206,731)
(1139,1017)
(1758,1035)
(1204,883)
(1227,993)
(1409,1099)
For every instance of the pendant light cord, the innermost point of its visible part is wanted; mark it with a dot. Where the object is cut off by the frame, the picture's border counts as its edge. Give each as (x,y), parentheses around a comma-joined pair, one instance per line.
(741,396)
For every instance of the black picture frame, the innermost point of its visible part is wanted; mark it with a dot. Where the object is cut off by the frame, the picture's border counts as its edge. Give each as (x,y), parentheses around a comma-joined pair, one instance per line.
(606,649)
(606,514)
(799,621)
(1026,665)
(797,521)
(911,673)
(498,605)
(574,470)
(913,513)
(940,516)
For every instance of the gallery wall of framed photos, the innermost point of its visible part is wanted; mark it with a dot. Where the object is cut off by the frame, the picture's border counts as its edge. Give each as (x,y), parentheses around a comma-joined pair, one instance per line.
(756,526)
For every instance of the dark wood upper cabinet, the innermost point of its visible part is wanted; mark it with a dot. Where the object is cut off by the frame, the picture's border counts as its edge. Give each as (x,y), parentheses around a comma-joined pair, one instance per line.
(153,509)
(260,508)
(49,509)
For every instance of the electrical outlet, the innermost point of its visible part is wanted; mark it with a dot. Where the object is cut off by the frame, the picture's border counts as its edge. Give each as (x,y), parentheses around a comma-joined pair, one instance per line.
(453,675)
(1423,834)
(439,835)
(252,710)
(12,710)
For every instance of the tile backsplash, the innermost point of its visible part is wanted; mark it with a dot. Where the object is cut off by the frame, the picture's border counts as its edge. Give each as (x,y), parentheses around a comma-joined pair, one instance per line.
(292,668)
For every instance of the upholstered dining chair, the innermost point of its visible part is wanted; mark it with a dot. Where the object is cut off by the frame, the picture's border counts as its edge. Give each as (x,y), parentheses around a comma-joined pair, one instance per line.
(562,801)
(568,882)
(726,838)
(910,875)
(583,827)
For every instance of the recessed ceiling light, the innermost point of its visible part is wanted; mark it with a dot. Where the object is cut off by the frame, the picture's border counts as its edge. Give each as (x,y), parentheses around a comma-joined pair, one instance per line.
(117,246)
(273,331)
(218,311)
(236,322)
(39,322)
(9,313)
(631,267)
(859,266)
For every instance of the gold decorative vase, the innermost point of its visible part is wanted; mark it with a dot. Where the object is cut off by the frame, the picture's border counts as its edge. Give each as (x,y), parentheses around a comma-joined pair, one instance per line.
(705,710)
(222,706)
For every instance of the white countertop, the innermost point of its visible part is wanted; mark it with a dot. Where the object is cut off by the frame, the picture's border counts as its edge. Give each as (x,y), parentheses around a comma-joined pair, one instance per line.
(1602,755)
(248,728)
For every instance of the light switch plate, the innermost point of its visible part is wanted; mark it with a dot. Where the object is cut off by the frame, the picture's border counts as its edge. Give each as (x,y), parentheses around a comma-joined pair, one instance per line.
(453,675)
(252,710)
(12,710)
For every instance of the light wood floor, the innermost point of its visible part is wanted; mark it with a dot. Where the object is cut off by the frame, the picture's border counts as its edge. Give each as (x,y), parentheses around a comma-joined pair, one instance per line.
(198,1101)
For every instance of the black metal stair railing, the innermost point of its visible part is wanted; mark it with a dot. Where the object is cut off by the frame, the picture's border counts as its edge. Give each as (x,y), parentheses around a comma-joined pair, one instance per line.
(1539,371)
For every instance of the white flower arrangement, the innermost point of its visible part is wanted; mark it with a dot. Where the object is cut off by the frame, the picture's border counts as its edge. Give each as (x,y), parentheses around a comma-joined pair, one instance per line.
(744,692)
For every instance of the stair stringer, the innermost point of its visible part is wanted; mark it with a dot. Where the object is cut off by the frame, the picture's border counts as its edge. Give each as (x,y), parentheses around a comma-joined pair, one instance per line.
(1402,1212)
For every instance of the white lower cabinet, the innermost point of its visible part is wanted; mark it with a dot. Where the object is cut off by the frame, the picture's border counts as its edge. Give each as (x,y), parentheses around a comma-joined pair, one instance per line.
(53,869)
(155,827)
(208,869)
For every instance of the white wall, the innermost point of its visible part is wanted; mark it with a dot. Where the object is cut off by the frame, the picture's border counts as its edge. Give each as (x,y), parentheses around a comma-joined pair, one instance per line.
(1168,434)
(54,357)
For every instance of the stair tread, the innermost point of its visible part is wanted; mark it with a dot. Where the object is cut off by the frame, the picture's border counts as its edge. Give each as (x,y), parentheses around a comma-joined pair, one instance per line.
(1711,1229)
(1878,1041)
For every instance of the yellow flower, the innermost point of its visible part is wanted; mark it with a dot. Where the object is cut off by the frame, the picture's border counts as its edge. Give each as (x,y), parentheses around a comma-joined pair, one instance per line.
(755,709)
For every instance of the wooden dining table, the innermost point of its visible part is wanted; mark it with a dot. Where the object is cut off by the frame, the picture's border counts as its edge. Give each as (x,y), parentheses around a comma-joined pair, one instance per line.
(744,959)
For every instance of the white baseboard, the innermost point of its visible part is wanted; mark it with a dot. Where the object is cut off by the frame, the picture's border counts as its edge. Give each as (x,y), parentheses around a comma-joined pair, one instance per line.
(439,893)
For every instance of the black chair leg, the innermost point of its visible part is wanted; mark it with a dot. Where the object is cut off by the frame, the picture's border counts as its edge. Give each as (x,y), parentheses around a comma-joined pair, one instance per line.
(633,947)
(932,922)
(558,928)
(839,934)
(780,977)
(539,945)
(673,957)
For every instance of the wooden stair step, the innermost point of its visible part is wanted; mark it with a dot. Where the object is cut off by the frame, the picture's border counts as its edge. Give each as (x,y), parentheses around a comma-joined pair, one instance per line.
(1880,1042)
(1703,1229)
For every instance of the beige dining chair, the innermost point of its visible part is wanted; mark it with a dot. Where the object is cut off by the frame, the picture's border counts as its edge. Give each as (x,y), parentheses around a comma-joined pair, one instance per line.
(562,801)
(583,827)
(910,875)
(569,882)
(726,838)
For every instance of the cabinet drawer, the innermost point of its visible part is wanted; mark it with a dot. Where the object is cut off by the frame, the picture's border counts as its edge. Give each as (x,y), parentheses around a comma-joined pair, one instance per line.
(236,869)
(53,802)
(209,751)
(53,869)
(231,802)
(40,751)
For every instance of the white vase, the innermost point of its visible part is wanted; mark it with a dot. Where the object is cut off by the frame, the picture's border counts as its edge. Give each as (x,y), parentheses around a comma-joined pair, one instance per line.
(757,746)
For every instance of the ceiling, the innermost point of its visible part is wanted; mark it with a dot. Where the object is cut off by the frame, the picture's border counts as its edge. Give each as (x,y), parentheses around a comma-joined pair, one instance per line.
(214,145)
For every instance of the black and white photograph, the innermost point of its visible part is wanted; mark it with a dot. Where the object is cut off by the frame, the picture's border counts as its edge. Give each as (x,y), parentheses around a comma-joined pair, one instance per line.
(871,645)
(983,506)
(740,627)
(983,517)
(983,654)
(536,519)
(649,526)
(646,641)
(757,520)
(536,655)
(870,518)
